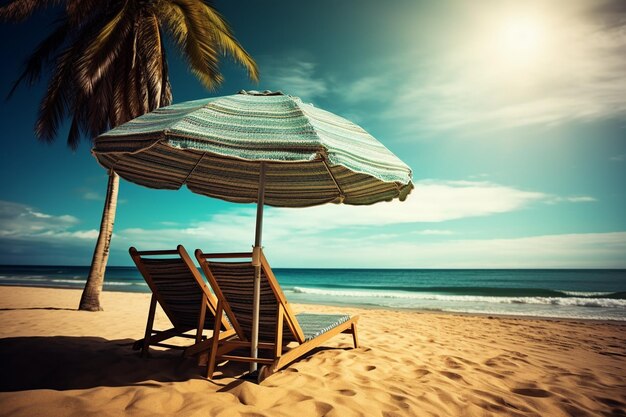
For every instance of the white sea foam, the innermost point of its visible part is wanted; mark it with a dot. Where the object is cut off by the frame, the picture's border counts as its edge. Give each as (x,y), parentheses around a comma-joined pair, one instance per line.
(143,284)
(561,301)
(24,277)
(587,294)
(548,314)
(82,281)
(69,281)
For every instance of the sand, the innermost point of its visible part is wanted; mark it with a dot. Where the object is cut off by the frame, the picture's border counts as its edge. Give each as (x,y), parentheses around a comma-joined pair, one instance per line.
(56,361)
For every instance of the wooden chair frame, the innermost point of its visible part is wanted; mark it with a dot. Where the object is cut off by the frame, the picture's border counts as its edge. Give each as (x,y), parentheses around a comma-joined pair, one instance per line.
(280,358)
(206,305)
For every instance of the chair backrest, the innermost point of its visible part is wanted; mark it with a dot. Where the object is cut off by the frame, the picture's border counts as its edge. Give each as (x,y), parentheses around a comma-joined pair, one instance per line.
(177,286)
(231,276)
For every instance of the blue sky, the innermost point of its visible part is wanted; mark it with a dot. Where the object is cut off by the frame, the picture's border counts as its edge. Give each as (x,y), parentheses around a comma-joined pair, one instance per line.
(511,114)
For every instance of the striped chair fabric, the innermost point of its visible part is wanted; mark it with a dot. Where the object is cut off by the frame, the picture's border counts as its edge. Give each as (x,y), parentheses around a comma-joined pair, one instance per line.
(177,286)
(313,325)
(235,281)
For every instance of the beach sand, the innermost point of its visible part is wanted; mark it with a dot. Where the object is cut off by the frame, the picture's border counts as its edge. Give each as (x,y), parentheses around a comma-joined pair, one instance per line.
(56,361)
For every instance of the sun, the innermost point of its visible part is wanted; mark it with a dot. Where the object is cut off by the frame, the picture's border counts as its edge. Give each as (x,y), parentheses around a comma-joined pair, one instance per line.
(523,35)
(521,39)
(512,50)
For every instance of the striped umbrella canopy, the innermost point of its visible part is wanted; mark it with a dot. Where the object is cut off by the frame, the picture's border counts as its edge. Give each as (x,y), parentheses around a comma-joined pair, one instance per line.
(263,147)
(215,146)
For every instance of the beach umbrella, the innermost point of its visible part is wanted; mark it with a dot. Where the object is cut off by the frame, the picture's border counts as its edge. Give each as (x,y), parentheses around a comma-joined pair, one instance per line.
(265,147)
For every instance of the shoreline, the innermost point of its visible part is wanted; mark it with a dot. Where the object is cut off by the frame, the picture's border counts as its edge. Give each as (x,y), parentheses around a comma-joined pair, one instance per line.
(60,361)
(383,308)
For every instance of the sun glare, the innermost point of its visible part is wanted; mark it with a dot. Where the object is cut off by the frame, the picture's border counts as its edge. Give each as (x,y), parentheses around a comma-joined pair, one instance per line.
(521,39)
(513,51)
(523,35)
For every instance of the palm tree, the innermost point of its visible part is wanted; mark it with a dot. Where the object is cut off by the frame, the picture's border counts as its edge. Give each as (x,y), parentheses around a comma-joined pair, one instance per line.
(108,66)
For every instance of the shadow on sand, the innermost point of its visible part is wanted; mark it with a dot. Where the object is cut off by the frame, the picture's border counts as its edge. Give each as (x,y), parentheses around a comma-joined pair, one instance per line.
(64,363)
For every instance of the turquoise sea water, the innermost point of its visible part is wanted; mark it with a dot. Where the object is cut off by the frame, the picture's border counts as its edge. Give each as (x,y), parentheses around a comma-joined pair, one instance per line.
(568,293)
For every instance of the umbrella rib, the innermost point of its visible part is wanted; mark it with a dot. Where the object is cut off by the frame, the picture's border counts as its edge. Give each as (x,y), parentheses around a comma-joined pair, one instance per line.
(194,168)
(341,194)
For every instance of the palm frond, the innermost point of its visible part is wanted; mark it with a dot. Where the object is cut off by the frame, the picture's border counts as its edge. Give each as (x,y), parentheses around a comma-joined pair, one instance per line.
(132,97)
(172,19)
(73,136)
(166,87)
(103,49)
(149,52)
(81,12)
(109,59)
(129,98)
(141,87)
(19,10)
(55,102)
(200,51)
(119,104)
(40,57)
(230,46)
(97,108)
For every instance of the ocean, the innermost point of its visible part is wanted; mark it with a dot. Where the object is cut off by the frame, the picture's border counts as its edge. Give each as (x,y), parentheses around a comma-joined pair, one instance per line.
(560,293)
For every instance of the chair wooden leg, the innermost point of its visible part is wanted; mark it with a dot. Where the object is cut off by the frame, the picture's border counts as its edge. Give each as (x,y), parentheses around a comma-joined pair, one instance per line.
(203,358)
(146,339)
(216,339)
(201,318)
(355,337)
(278,341)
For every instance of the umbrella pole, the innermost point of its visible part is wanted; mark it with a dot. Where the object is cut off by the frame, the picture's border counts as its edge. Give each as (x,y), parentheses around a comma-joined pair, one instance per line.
(256,261)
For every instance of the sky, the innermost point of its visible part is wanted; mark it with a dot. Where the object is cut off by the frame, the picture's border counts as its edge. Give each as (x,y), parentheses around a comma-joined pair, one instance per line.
(512,116)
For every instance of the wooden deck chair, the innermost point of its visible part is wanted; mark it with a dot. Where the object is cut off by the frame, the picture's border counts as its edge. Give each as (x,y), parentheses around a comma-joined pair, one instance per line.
(232,283)
(178,287)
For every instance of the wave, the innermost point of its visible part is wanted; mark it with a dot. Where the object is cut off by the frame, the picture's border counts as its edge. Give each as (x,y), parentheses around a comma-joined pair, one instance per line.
(605,302)
(592,294)
(78,280)
(141,284)
(482,291)
(69,281)
(83,281)
(24,277)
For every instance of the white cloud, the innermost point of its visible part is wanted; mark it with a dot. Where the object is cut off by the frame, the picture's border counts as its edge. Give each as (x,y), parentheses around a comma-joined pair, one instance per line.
(29,236)
(618,158)
(287,229)
(571,199)
(482,175)
(91,195)
(293,76)
(590,250)
(581,199)
(169,223)
(79,234)
(367,88)
(36,215)
(390,250)
(22,222)
(87,193)
(430,202)
(434,232)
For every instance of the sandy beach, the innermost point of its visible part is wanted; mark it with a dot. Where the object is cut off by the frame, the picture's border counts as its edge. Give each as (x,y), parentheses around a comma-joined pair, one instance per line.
(57,361)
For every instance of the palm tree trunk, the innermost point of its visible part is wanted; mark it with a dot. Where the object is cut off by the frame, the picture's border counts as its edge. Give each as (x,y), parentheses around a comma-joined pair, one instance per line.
(90,299)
